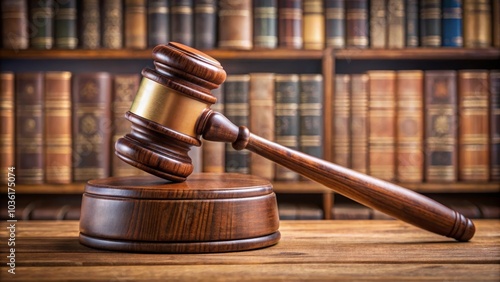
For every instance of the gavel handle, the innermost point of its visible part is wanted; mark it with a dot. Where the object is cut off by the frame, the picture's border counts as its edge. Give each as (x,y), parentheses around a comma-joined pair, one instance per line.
(386,197)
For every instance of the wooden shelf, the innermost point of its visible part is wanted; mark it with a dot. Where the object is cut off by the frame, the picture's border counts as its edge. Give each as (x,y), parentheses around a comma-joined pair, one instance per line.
(418,54)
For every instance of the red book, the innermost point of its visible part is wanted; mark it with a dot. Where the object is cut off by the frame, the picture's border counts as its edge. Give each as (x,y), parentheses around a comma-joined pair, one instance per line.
(290,24)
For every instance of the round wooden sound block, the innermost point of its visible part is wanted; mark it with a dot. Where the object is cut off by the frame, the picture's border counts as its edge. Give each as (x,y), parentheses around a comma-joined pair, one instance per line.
(207,213)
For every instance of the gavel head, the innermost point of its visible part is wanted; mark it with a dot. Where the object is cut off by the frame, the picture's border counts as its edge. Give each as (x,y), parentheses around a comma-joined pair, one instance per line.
(166,109)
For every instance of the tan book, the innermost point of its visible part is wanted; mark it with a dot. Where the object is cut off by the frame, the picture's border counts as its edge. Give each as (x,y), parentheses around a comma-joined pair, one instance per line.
(314,25)
(7,122)
(235,24)
(112,24)
(135,27)
(341,121)
(378,24)
(396,24)
(477,24)
(359,122)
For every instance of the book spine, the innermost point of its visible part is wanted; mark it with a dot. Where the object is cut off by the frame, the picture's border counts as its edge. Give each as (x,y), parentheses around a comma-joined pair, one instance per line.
(112,24)
(65,24)
(382,129)
(311,115)
(214,152)
(58,139)
(335,23)
(477,23)
(359,122)
(261,103)
(357,25)
(287,99)
(410,126)
(181,21)
(91,24)
(452,23)
(29,128)
(91,125)
(378,24)
(430,23)
(158,22)
(341,129)
(314,25)
(412,26)
(495,125)
(235,24)
(265,24)
(7,122)
(205,24)
(41,24)
(396,24)
(496,22)
(440,134)
(290,20)
(135,24)
(236,90)
(14,24)
(473,133)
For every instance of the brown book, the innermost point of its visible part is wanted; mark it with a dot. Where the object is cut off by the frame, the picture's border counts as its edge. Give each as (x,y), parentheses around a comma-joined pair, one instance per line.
(290,20)
(29,128)
(357,16)
(58,136)
(205,24)
(473,131)
(7,124)
(382,129)
(135,18)
(477,24)
(314,25)
(181,21)
(495,125)
(235,24)
(14,24)
(41,31)
(378,24)
(496,22)
(410,126)
(213,152)
(112,24)
(359,122)
(396,24)
(91,125)
(440,119)
(341,125)
(261,103)
(90,24)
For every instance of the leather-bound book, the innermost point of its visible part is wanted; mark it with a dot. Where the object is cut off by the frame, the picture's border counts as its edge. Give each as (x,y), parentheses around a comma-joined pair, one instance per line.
(477,23)
(410,126)
(90,24)
(135,24)
(14,24)
(290,24)
(158,22)
(214,152)
(411,23)
(112,24)
(7,122)
(382,125)
(495,125)
(58,138)
(235,24)
(205,24)
(378,24)
(359,122)
(341,121)
(311,114)
(287,99)
(181,21)
(335,23)
(261,103)
(452,23)
(396,24)
(236,108)
(314,25)
(65,24)
(496,22)
(29,92)
(41,13)
(91,125)
(357,23)
(265,24)
(440,119)
(430,23)
(473,130)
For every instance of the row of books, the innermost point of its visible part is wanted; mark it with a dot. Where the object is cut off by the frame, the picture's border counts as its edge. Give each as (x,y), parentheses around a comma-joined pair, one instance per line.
(247,24)
(414,126)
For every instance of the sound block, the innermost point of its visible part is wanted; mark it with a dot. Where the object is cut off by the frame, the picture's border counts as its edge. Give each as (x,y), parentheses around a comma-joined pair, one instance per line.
(207,213)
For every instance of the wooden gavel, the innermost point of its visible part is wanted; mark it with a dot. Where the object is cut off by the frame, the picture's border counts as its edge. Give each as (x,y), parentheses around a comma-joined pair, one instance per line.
(172,109)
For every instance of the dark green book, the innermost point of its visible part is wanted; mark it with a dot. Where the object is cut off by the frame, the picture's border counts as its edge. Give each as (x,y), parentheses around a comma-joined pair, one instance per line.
(65,24)
(158,22)
(41,23)
(265,24)
(205,24)
(311,114)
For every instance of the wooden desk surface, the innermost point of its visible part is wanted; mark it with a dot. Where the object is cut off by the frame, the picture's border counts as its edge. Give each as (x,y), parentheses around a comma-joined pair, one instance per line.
(315,250)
